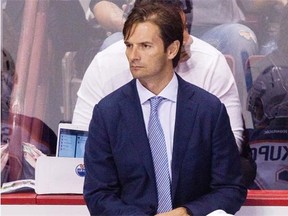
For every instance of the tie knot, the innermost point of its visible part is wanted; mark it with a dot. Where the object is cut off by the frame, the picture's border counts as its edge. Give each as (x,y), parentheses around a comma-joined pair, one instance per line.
(154,102)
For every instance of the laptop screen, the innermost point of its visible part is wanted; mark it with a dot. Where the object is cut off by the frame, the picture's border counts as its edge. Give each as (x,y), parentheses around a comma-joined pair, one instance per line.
(71,141)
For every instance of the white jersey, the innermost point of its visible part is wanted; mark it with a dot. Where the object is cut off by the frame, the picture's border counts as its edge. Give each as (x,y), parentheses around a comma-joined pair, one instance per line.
(270,152)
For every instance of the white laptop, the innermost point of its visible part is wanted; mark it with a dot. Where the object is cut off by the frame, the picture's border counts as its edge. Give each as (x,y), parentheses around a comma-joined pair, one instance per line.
(63,174)
(71,140)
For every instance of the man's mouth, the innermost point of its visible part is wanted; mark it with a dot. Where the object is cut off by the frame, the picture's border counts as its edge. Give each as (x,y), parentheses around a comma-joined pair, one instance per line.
(135,67)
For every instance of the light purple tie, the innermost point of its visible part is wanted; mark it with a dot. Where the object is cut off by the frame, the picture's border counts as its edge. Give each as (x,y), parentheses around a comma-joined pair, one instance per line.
(159,154)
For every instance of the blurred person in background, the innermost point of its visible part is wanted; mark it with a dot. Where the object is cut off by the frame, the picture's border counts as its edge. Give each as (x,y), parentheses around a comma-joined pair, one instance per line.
(268,103)
(221,24)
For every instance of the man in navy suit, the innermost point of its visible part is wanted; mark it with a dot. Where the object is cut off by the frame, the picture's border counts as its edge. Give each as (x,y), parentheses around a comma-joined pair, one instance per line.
(203,159)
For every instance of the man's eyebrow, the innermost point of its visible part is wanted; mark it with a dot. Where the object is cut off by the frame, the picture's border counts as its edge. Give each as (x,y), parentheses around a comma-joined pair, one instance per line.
(126,42)
(146,42)
(143,42)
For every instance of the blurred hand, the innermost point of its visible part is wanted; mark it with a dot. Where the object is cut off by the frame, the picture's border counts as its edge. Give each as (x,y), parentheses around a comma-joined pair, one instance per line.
(175,212)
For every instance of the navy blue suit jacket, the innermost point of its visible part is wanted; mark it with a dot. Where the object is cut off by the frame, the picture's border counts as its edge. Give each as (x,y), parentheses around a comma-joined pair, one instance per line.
(120,177)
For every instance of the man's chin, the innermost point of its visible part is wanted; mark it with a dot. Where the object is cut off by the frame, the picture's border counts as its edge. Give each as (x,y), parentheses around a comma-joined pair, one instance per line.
(135,74)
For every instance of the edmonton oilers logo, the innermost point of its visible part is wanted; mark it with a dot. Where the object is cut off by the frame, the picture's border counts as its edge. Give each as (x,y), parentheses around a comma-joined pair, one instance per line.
(80,170)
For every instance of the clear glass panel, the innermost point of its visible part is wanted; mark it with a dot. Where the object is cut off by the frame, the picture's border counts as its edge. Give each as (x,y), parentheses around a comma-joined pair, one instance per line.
(47,46)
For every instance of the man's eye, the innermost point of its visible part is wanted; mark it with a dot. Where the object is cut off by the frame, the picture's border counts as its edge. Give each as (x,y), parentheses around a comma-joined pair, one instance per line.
(146,46)
(128,45)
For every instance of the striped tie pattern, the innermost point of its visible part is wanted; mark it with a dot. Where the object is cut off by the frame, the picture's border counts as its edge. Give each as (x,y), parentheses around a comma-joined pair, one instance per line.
(159,155)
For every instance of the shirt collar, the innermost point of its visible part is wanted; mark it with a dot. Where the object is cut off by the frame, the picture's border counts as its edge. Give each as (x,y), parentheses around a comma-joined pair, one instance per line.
(169,92)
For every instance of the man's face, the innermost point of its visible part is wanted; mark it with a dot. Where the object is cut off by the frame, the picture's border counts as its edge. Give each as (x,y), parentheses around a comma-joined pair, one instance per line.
(145,52)
(187,41)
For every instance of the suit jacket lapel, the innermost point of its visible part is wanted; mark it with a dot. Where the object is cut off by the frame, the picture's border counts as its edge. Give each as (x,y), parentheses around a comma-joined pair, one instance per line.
(185,114)
(132,114)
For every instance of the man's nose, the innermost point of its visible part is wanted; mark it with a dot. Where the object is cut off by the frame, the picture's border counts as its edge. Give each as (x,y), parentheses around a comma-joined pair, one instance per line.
(134,54)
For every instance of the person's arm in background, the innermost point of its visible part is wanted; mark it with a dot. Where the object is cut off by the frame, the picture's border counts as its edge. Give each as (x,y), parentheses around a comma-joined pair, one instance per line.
(89,93)
(224,87)
(108,14)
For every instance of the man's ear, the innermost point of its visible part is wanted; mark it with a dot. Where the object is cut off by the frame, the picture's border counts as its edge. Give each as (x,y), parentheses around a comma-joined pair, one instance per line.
(172,49)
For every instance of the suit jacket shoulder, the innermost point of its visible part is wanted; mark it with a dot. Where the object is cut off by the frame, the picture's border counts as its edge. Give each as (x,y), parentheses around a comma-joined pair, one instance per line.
(198,94)
(127,90)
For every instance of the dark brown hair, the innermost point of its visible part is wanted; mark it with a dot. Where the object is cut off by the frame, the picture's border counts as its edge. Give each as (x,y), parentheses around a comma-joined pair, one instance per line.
(167,18)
